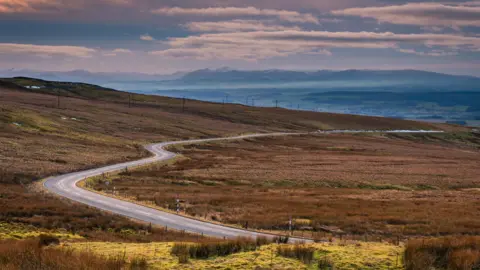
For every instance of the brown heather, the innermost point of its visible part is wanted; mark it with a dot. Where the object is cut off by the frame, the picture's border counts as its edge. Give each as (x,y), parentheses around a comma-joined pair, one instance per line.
(30,254)
(382,185)
(88,126)
(452,253)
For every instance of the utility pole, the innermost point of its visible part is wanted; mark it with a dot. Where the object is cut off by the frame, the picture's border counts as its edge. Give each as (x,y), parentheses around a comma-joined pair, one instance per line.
(226,98)
(246,100)
(276,103)
(290,225)
(183,104)
(253,102)
(178,205)
(129,100)
(58,101)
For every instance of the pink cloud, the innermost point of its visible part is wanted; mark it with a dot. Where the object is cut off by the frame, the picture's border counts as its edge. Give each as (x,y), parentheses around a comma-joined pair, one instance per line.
(265,44)
(424,14)
(46,50)
(236,12)
(237,26)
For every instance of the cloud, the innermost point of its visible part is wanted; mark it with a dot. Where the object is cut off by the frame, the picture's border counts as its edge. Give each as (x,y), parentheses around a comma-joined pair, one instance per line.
(28,6)
(46,50)
(431,53)
(117,52)
(122,51)
(424,14)
(52,6)
(238,12)
(147,37)
(264,44)
(237,26)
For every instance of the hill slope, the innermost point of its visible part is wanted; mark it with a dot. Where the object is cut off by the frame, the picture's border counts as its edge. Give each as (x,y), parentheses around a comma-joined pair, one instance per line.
(63,127)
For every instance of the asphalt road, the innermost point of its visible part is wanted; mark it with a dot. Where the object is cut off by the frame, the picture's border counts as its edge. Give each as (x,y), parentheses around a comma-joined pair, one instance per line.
(66,186)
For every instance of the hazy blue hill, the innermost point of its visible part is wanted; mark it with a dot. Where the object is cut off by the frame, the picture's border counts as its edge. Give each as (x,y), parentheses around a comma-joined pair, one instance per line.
(276,76)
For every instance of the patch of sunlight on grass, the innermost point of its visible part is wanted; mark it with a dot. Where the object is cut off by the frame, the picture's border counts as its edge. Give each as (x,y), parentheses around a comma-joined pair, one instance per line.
(20,231)
(343,256)
(32,121)
(362,255)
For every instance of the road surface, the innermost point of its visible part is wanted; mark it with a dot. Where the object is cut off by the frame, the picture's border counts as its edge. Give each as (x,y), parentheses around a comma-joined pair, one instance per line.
(66,186)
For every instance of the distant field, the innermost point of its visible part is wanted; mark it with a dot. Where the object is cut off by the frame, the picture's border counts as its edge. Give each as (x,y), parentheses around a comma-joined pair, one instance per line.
(424,184)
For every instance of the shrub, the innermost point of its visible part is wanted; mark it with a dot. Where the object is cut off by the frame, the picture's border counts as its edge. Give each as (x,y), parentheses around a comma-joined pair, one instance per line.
(281,239)
(262,240)
(325,264)
(453,253)
(301,252)
(47,240)
(138,263)
(181,250)
(223,248)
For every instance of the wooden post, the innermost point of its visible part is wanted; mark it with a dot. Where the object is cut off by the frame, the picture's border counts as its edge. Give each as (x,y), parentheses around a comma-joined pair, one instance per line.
(58,101)
(183,104)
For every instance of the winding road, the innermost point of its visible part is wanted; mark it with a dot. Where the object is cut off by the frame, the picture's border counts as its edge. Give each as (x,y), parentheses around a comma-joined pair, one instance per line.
(66,186)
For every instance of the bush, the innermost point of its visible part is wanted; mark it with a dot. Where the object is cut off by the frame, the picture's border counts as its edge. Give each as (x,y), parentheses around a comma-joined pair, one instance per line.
(281,239)
(138,263)
(452,253)
(325,264)
(301,252)
(208,250)
(47,240)
(262,240)
(181,250)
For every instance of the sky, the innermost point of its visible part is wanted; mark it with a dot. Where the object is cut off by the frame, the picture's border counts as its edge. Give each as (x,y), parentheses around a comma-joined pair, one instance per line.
(166,36)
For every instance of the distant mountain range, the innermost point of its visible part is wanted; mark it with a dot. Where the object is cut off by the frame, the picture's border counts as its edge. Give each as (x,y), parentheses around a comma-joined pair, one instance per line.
(227,75)
(375,78)
(88,77)
(411,94)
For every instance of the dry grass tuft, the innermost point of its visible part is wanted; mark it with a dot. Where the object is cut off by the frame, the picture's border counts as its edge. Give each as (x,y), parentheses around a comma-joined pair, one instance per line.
(452,253)
(213,249)
(300,252)
(32,254)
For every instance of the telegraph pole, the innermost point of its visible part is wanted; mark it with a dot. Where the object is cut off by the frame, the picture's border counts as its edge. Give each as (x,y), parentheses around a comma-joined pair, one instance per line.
(129,100)
(290,223)
(183,104)
(253,102)
(58,100)
(178,205)
(276,103)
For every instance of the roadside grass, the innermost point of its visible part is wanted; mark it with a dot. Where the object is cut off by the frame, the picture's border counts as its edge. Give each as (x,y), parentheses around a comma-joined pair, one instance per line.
(343,255)
(37,254)
(21,231)
(381,187)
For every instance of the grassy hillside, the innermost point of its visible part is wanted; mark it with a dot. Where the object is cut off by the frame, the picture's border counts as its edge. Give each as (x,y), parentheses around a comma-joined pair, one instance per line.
(271,118)
(61,127)
(373,184)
